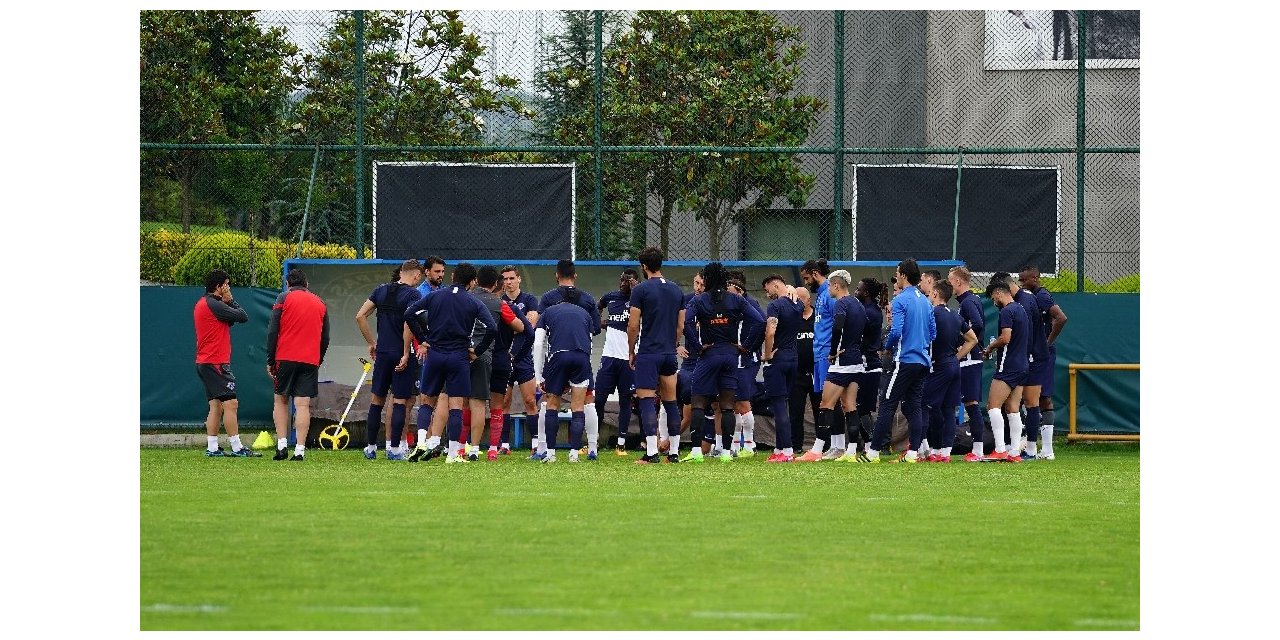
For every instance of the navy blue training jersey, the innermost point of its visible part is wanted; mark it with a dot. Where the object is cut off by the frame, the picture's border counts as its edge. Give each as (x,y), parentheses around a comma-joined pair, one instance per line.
(1038,342)
(522,344)
(692,343)
(971,313)
(790,323)
(450,315)
(1013,356)
(568,328)
(658,300)
(1044,301)
(850,317)
(392,299)
(872,335)
(588,303)
(617,310)
(718,323)
(752,336)
(950,334)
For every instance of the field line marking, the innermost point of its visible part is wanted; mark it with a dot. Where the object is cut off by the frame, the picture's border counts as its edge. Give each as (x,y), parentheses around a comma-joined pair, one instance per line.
(347,609)
(744,615)
(162,607)
(928,617)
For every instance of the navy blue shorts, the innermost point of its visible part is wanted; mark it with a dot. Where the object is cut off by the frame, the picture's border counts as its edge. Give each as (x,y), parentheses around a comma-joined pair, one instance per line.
(842,380)
(521,371)
(385,377)
(715,372)
(651,366)
(1046,376)
(448,370)
(1036,372)
(747,381)
(780,374)
(615,374)
(684,383)
(565,369)
(868,389)
(971,383)
(498,380)
(1012,378)
(942,387)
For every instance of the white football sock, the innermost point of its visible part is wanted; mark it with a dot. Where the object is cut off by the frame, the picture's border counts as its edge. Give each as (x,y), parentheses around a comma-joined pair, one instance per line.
(651,445)
(388,447)
(282,443)
(1015,433)
(622,442)
(977,447)
(872,453)
(422,437)
(946,452)
(235,443)
(997,428)
(1031,447)
(674,444)
(1046,439)
(213,442)
(818,445)
(837,441)
(432,442)
(593,427)
(788,451)
(299,449)
(749,430)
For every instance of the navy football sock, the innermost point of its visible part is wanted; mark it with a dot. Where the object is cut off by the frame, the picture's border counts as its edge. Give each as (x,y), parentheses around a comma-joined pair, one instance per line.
(397,424)
(374,425)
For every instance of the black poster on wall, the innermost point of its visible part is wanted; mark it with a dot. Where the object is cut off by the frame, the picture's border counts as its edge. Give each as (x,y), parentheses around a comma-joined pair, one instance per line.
(1008,216)
(473,211)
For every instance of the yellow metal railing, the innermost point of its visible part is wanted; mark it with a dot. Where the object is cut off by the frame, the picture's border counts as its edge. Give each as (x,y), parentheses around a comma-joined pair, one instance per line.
(1071,372)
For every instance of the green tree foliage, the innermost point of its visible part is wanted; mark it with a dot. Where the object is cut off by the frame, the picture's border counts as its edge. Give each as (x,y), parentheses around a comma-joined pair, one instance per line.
(208,77)
(711,78)
(423,87)
(566,117)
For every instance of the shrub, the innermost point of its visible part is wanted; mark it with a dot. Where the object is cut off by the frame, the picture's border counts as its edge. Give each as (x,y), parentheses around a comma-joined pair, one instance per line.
(160,251)
(1124,284)
(1065,282)
(231,253)
(285,250)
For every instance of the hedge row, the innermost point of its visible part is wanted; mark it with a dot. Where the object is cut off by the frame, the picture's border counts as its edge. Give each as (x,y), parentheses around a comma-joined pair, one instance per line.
(185,259)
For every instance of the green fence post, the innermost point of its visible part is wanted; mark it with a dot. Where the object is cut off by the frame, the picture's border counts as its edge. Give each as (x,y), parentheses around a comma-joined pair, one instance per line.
(306,208)
(955,224)
(360,97)
(1080,46)
(599,28)
(838,195)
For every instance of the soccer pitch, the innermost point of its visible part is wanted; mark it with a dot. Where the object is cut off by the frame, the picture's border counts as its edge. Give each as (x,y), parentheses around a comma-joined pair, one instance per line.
(340,542)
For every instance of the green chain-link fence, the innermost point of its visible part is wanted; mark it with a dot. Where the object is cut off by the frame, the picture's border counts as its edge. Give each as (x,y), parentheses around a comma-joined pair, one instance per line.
(712,134)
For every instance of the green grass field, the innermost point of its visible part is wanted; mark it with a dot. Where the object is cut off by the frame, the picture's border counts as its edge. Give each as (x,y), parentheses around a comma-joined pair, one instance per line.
(339,542)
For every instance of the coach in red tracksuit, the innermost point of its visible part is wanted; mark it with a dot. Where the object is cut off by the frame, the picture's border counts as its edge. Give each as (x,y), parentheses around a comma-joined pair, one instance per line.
(297,339)
(214,315)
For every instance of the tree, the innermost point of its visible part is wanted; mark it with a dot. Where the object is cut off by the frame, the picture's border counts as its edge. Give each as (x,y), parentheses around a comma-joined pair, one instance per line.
(711,78)
(422,87)
(212,76)
(566,116)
